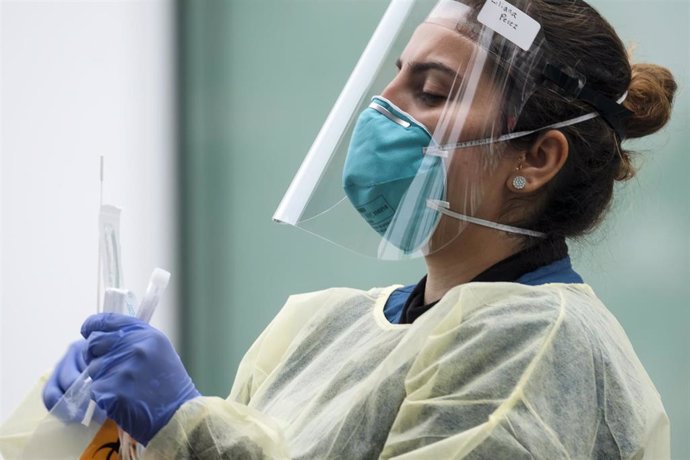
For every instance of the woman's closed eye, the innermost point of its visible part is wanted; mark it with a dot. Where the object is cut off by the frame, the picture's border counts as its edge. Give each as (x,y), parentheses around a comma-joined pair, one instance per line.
(431,98)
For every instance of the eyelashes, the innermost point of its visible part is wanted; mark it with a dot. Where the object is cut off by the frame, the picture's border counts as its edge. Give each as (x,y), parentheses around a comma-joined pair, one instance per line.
(431,99)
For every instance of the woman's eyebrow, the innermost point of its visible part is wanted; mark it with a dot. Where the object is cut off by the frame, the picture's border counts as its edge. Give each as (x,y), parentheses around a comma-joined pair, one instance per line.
(419,67)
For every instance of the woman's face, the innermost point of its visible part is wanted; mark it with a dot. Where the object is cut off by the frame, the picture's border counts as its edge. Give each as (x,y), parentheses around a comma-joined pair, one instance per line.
(438,85)
(436,64)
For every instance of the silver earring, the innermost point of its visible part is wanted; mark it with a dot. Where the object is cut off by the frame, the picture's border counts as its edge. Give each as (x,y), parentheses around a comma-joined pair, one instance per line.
(519,182)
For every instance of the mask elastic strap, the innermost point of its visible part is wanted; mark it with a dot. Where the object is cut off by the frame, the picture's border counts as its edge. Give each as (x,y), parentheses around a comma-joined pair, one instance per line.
(442,150)
(444,208)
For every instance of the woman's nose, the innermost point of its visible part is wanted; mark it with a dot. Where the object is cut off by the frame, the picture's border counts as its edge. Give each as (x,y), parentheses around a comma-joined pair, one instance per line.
(394,92)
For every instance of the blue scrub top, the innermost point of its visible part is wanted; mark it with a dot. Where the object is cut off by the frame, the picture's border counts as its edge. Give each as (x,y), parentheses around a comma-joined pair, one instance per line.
(560,271)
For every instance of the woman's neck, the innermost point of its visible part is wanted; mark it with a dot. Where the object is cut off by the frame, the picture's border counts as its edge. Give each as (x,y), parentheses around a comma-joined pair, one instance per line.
(474,251)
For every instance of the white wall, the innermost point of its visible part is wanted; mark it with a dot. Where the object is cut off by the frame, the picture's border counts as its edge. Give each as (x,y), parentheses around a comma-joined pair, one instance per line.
(79,80)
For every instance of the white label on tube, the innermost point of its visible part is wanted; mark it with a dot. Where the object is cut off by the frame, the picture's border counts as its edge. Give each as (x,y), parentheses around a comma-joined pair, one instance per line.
(510,22)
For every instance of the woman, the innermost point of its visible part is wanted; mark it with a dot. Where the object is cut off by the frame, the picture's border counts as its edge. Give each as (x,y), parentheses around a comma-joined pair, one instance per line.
(499,137)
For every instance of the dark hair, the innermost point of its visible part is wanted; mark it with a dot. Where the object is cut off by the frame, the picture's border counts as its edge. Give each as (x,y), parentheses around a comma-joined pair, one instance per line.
(574,202)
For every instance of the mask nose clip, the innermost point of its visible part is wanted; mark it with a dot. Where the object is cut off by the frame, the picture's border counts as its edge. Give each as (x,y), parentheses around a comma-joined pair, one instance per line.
(390,115)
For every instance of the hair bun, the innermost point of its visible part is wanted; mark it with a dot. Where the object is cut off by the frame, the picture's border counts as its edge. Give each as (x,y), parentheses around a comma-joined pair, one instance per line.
(650,98)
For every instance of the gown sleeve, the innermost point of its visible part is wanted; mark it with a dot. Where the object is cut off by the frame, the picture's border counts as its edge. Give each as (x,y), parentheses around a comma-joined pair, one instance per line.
(216,428)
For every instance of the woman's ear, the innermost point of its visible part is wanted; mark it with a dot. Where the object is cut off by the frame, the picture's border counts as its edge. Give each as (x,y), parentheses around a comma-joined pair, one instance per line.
(540,163)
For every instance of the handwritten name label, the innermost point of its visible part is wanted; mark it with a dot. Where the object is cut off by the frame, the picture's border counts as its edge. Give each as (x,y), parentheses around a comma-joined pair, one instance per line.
(510,22)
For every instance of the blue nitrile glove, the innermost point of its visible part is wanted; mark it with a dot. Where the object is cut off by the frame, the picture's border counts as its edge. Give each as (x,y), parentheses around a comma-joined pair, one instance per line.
(138,378)
(65,373)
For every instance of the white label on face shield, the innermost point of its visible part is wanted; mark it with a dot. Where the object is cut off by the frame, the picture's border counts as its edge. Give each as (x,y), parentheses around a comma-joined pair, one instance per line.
(510,22)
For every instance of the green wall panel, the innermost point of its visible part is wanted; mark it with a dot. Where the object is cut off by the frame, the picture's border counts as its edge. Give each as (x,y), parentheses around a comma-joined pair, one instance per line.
(257,79)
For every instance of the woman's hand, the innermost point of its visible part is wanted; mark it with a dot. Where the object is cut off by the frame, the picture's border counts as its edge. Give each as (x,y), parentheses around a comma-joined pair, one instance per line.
(138,378)
(65,373)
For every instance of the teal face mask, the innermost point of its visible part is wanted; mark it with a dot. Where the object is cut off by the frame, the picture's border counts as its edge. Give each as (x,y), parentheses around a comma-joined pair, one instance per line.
(388,179)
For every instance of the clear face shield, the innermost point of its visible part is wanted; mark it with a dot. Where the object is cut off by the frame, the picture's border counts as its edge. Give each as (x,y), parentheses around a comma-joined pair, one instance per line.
(403,164)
